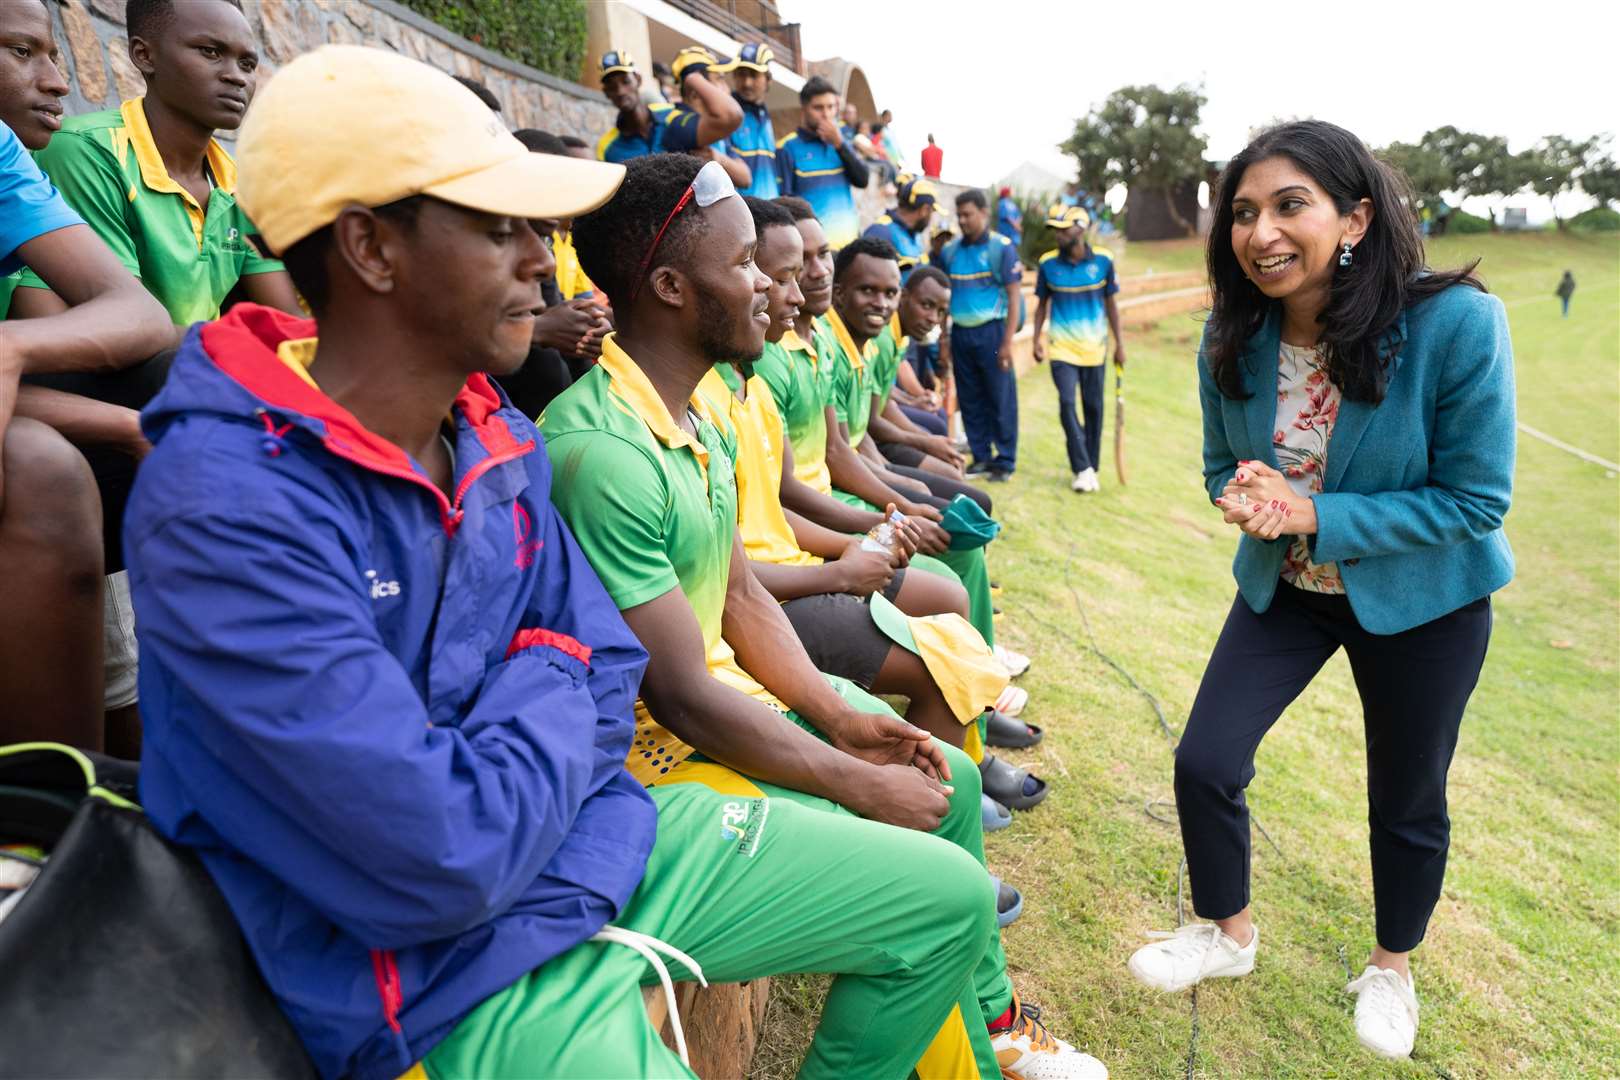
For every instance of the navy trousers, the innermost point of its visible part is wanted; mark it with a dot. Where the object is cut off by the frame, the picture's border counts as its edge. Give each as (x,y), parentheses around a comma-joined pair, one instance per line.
(1413,685)
(1085,442)
(987,395)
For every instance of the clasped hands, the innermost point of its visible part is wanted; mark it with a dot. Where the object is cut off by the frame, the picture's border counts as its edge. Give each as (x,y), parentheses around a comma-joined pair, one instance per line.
(1259,501)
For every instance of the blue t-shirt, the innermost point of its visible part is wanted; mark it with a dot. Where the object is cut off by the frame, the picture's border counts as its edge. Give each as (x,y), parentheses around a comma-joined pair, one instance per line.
(1010,219)
(1077,312)
(29,204)
(754,144)
(681,132)
(979,272)
(909,244)
(815,171)
(619,147)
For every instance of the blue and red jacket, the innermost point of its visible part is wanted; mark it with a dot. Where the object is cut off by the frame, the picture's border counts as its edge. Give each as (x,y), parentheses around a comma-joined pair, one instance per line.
(393,724)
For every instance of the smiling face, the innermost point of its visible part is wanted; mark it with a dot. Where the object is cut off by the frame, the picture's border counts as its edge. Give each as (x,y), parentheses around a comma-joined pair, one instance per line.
(728,318)
(867,294)
(1286,231)
(781,259)
(31,82)
(924,303)
(469,283)
(623,89)
(202,64)
(817,280)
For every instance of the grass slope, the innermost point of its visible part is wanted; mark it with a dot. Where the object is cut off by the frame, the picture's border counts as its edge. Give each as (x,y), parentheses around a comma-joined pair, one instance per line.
(1518,974)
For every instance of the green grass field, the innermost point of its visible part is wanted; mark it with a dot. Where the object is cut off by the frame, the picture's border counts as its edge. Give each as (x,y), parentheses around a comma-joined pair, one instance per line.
(1519,972)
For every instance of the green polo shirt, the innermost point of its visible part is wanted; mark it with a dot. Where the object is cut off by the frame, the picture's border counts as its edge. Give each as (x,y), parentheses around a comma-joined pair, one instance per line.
(653,510)
(109,170)
(852,380)
(888,349)
(790,369)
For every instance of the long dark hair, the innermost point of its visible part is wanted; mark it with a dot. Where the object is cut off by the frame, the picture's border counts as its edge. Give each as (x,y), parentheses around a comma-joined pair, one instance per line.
(1387,276)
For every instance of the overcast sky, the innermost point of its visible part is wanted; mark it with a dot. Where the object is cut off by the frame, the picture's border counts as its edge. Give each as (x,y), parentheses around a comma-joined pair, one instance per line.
(1001,82)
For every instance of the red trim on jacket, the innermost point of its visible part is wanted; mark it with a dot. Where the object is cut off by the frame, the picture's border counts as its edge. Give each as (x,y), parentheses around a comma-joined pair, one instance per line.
(529,637)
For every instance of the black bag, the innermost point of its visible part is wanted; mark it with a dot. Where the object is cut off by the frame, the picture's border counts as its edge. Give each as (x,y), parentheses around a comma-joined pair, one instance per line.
(122,959)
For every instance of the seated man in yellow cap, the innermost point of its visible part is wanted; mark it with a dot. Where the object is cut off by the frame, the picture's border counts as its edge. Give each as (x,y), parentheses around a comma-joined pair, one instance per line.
(647,484)
(387,700)
(1074,291)
(707,114)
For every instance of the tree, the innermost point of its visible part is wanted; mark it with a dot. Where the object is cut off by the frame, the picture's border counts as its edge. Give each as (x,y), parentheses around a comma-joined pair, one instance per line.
(1425,169)
(1601,176)
(1141,135)
(1558,163)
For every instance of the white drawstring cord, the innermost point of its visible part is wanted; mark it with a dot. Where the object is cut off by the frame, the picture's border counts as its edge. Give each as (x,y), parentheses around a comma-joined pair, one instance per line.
(649,947)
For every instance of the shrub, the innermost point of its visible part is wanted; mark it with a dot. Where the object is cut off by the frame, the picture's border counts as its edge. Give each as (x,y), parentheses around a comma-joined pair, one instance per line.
(1597,219)
(1464,222)
(545,34)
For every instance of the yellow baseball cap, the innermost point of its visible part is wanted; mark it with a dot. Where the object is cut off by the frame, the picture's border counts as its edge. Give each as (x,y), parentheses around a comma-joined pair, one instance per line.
(617,60)
(1067,217)
(755,56)
(347,125)
(697,54)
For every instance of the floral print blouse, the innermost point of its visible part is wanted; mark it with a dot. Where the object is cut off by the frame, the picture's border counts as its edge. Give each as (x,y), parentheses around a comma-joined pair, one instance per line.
(1307,406)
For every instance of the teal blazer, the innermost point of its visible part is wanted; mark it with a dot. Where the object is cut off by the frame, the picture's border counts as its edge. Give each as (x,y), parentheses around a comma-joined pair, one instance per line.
(1415,488)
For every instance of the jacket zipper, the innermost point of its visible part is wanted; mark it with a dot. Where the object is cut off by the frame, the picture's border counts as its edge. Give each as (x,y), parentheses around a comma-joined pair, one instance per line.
(450,514)
(386,972)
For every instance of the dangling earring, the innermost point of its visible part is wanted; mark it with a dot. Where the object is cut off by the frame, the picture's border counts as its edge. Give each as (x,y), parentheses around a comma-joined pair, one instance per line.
(1344,256)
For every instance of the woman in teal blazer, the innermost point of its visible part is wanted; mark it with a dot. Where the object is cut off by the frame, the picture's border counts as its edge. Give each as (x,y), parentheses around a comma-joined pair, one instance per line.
(1359,431)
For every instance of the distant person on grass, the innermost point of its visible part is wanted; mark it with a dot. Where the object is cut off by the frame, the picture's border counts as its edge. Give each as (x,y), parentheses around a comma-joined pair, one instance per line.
(1565,290)
(1359,431)
(1074,288)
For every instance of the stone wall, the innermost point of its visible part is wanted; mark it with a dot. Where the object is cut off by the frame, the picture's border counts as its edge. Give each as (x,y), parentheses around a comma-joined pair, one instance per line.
(95,51)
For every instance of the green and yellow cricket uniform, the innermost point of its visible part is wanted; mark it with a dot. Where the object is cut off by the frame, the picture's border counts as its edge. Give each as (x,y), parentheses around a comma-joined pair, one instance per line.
(655,509)
(109,170)
(887,350)
(849,386)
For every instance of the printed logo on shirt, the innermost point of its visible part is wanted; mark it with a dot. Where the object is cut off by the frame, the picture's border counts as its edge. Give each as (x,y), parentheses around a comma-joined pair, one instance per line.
(522,526)
(744,822)
(380,589)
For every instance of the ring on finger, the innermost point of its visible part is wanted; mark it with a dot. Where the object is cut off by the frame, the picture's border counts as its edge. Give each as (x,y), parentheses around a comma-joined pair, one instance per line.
(1243,498)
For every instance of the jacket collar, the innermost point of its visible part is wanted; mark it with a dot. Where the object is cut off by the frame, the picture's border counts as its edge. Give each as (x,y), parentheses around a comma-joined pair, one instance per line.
(245,345)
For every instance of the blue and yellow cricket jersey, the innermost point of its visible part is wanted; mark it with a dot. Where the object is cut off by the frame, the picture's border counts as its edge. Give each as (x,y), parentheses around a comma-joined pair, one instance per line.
(617,146)
(1077,317)
(909,244)
(979,272)
(681,132)
(754,144)
(825,177)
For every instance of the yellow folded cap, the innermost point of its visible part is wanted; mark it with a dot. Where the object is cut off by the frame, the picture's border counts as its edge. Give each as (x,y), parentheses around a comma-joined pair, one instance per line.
(967,673)
(347,125)
(697,54)
(1067,217)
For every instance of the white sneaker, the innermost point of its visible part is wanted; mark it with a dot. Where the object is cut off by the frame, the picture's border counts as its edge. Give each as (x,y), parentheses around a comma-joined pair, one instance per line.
(1027,1051)
(1015,663)
(1190,955)
(1085,480)
(1386,1011)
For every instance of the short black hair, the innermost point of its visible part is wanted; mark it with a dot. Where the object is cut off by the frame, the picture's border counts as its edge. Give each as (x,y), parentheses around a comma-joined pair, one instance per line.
(614,238)
(875,246)
(975,196)
(484,93)
(573,142)
(541,142)
(661,69)
(306,260)
(767,214)
(814,87)
(148,18)
(928,272)
(801,210)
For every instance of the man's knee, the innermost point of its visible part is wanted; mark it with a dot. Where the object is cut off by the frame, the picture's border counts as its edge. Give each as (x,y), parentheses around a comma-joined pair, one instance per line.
(1202,769)
(50,494)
